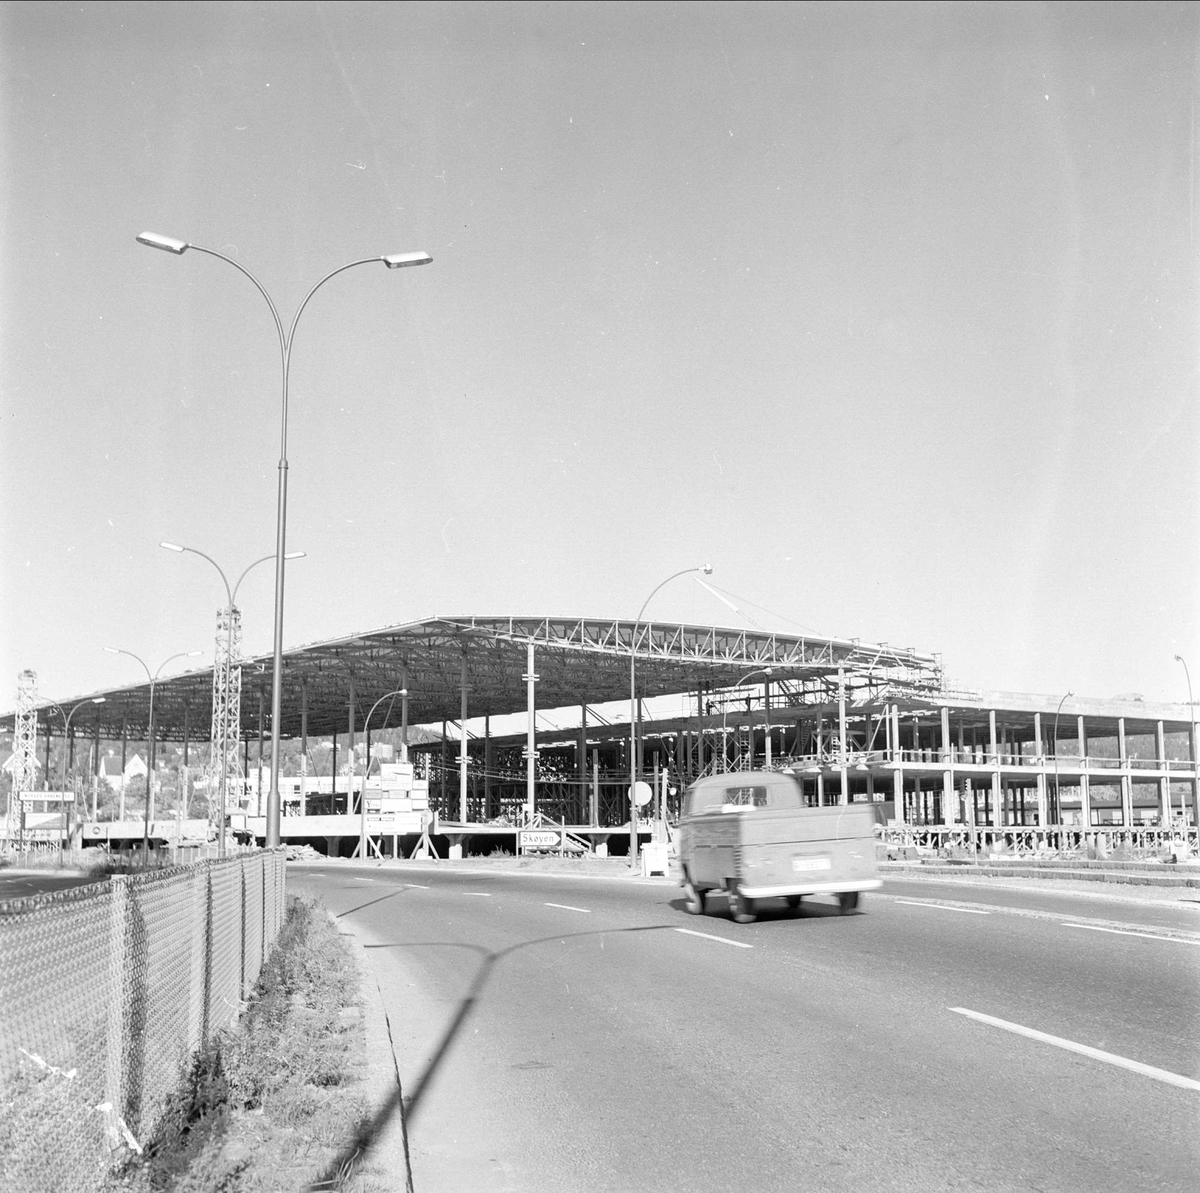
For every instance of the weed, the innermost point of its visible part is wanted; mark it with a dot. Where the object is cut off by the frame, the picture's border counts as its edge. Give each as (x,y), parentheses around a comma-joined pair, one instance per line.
(271,1103)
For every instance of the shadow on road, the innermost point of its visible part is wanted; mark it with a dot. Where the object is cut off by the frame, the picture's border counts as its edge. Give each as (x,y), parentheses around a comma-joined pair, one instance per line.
(370,1130)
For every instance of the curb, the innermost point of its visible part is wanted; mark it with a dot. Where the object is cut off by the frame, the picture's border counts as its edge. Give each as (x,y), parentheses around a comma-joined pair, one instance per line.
(382,1077)
(1132,877)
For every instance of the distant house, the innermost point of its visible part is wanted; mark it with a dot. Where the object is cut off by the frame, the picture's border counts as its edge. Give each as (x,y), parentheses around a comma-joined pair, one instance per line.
(110,769)
(10,764)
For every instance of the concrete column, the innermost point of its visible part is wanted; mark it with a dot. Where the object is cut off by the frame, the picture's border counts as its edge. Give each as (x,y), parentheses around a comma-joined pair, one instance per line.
(350,755)
(1126,777)
(767,734)
(487,767)
(530,678)
(949,795)
(844,797)
(581,760)
(1085,801)
(304,721)
(404,712)
(595,808)
(1039,753)
(896,755)
(994,751)
(1164,782)
(462,741)
(258,785)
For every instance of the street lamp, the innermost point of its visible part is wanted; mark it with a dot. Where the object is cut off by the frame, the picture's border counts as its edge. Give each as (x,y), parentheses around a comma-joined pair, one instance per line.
(187,654)
(1191,750)
(393,261)
(1057,802)
(230,608)
(362,799)
(725,712)
(66,739)
(706,568)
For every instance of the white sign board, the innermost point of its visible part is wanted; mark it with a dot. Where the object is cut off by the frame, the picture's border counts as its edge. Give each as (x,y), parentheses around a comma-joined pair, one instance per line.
(396,822)
(533,839)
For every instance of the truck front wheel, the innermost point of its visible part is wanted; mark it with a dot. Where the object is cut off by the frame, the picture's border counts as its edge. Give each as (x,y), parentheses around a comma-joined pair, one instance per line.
(847,901)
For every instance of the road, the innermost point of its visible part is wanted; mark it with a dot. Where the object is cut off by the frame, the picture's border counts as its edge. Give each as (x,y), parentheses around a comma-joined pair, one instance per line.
(562,1033)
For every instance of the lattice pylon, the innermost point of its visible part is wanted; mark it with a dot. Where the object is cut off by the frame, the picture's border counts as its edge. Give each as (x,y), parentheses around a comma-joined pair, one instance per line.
(224,772)
(24,774)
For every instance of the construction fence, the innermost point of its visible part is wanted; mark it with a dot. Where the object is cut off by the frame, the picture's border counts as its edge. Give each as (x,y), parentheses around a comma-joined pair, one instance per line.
(107,992)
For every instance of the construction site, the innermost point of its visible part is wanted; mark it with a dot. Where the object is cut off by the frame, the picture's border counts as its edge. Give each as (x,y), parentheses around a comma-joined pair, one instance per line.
(548,733)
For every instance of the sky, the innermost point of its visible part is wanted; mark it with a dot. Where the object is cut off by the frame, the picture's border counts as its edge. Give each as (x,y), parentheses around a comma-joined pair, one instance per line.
(888,312)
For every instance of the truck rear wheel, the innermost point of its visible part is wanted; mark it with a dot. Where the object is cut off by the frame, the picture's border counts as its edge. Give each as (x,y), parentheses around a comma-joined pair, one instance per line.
(740,908)
(793,902)
(693,896)
(847,901)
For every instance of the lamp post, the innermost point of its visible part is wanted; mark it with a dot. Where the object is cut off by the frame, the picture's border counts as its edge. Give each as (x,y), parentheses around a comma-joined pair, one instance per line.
(230,610)
(63,786)
(706,568)
(393,261)
(725,711)
(1191,750)
(362,799)
(187,654)
(1057,803)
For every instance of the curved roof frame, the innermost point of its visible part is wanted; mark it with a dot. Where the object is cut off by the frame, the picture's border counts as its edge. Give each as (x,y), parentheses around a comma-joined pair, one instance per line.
(577,661)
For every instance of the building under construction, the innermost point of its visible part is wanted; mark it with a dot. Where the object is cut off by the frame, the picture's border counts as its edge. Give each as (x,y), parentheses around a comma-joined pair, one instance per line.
(854,721)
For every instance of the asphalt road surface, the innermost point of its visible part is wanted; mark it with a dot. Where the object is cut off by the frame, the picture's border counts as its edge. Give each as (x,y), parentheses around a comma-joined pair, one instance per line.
(563,1033)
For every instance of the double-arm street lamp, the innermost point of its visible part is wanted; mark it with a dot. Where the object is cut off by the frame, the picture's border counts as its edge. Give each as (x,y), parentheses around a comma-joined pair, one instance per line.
(66,716)
(187,654)
(393,261)
(230,607)
(706,568)
(362,799)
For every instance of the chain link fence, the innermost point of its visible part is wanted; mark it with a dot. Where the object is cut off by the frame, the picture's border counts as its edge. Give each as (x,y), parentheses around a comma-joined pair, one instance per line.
(107,991)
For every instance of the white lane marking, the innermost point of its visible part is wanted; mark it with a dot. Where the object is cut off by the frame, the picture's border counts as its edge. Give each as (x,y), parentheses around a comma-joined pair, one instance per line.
(943,907)
(1134,1066)
(1126,932)
(415,886)
(568,907)
(480,894)
(737,944)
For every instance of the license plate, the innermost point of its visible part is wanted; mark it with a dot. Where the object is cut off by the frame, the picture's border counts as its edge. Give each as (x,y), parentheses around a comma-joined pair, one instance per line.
(802,865)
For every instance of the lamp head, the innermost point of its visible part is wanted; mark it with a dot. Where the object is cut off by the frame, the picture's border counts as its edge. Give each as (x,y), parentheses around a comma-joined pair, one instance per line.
(288,554)
(168,244)
(171,546)
(99,699)
(398,260)
(706,569)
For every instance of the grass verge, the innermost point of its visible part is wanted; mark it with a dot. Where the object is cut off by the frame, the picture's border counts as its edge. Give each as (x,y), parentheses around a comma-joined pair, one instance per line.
(271,1103)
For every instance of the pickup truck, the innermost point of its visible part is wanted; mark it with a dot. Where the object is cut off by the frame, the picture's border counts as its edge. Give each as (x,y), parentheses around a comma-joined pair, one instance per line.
(749,834)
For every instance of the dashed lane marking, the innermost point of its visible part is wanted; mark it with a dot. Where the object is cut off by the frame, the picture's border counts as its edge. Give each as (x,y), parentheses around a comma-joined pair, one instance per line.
(568,907)
(1127,932)
(943,907)
(737,944)
(480,894)
(1110,1058)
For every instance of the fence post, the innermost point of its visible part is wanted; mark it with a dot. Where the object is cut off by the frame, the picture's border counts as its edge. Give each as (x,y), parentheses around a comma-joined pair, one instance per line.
(196,971)
(241,864)
(118,957)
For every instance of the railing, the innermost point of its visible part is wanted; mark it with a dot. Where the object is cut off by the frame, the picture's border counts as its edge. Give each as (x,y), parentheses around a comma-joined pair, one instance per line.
(1133,841)
(106,993)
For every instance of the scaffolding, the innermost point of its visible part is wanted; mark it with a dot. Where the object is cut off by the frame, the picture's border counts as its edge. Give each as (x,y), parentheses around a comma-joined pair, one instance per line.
(24,764)
(224,770)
